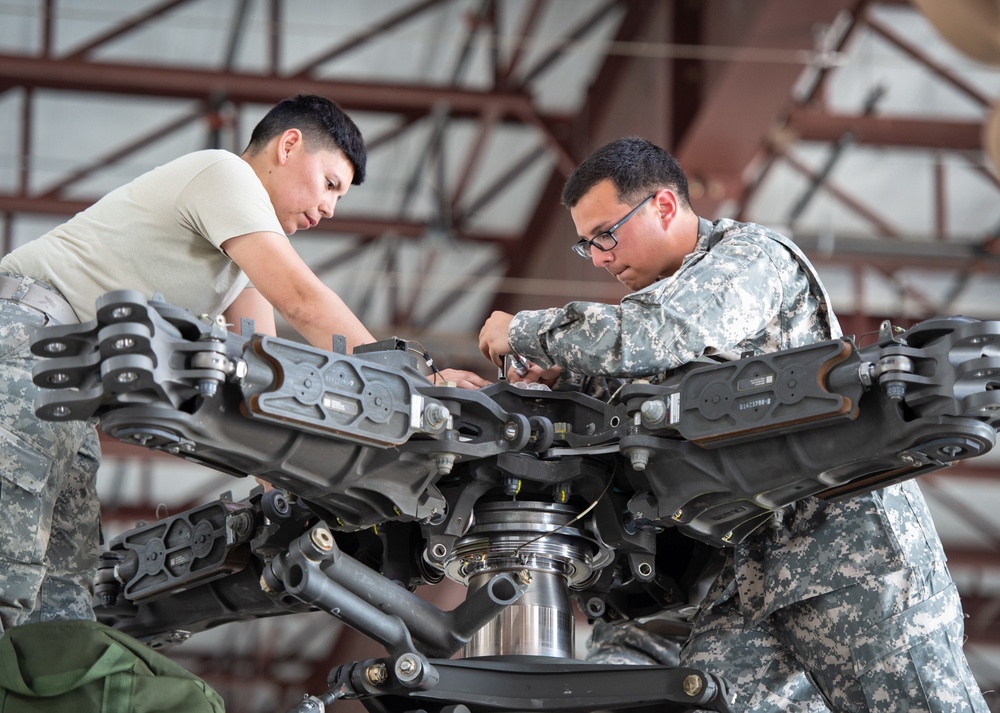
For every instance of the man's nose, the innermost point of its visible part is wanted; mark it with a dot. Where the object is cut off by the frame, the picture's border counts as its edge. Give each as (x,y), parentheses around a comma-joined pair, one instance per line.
(600,258)
(326,209)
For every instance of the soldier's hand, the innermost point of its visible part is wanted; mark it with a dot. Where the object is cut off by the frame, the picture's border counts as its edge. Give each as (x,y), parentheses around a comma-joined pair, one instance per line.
(493,341)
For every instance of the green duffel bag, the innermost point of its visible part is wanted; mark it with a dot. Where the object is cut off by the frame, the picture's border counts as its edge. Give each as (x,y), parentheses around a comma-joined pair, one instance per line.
(86,667)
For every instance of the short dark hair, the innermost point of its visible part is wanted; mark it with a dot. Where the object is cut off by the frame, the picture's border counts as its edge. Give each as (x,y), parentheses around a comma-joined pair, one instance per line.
(323,124)
(636,168)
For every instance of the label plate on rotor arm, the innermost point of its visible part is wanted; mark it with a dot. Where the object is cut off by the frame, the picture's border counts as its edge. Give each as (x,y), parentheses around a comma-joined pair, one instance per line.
(781,392)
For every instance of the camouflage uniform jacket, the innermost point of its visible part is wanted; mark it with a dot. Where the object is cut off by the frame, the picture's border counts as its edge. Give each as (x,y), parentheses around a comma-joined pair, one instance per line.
(744,289)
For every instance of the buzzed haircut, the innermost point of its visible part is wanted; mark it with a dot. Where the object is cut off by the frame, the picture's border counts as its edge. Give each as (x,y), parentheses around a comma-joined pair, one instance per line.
(636,168)
(323,124)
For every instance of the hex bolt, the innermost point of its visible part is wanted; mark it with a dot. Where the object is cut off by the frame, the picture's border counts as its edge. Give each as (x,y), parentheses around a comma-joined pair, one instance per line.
(525,576)
(895,390)
(639,458)
(240,369)
(408,668)
(653,411)
(436,416)
(444,462)
(241,523)
(693,685)
(377,674)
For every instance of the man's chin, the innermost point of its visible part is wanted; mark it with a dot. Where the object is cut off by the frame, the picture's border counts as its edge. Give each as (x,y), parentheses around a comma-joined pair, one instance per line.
(629,283)
(633,283)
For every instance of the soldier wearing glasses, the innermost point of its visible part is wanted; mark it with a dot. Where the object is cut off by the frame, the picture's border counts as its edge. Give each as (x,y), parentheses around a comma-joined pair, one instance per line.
(845,606)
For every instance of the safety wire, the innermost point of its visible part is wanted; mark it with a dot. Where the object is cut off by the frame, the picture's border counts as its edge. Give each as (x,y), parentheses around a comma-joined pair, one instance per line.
(583,513)
(425,355)
(607,486)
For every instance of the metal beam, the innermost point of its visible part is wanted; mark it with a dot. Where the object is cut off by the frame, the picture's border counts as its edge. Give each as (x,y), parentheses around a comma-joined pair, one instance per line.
(354,225)
(813,125)
(748,96)
(140,80)
(897,254)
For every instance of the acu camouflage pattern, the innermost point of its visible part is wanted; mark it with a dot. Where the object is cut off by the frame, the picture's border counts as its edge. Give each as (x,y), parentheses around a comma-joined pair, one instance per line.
(739,291)
(888,643)
(871,568)
(50,525)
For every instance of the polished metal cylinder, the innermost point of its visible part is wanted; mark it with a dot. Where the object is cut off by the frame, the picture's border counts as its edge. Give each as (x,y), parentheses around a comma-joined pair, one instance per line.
(538,543)
(540,623)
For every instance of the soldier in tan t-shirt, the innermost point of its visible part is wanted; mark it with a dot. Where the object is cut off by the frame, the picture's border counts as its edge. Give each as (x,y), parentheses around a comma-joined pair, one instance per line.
(199,230)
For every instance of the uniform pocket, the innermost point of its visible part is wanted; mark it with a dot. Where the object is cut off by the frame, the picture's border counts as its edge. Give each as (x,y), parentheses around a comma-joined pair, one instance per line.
(17,323)
(24,472)
(915,661)
(899,633)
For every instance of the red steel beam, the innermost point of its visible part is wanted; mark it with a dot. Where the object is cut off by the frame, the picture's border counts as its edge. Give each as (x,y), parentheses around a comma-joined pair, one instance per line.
(748,97)
(141,80)
(385,25)
(813,125)
(361,225)
(121,29)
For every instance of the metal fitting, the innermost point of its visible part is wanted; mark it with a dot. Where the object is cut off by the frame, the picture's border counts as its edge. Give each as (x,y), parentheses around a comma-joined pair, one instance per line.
(436,416)
(377,674)
(408,668)
(639,457)
(321,538)
(443,463)
(693,685)
(653,412)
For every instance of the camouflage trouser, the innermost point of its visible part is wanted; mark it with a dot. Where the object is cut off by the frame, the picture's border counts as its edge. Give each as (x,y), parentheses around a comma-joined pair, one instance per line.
(888,643)
(49,513)
(615,644)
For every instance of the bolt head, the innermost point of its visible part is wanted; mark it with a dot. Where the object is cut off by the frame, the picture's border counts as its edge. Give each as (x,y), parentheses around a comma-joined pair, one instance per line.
(693,685)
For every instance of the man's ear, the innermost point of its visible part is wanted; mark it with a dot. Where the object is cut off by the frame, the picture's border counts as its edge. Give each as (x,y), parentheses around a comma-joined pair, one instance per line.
(666,206)
(289,140)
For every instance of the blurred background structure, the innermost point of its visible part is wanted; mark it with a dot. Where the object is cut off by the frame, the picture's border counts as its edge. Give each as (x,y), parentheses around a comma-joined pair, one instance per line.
(866,130)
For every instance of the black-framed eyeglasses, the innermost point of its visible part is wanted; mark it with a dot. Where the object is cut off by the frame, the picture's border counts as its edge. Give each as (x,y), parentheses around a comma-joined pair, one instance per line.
(606,241)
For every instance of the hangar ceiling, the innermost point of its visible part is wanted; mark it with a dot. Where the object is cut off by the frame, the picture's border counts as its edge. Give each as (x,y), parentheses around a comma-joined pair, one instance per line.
(850,124)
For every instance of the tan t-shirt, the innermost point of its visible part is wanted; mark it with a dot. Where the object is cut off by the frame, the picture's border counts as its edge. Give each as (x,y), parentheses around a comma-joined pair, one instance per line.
(160,233)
